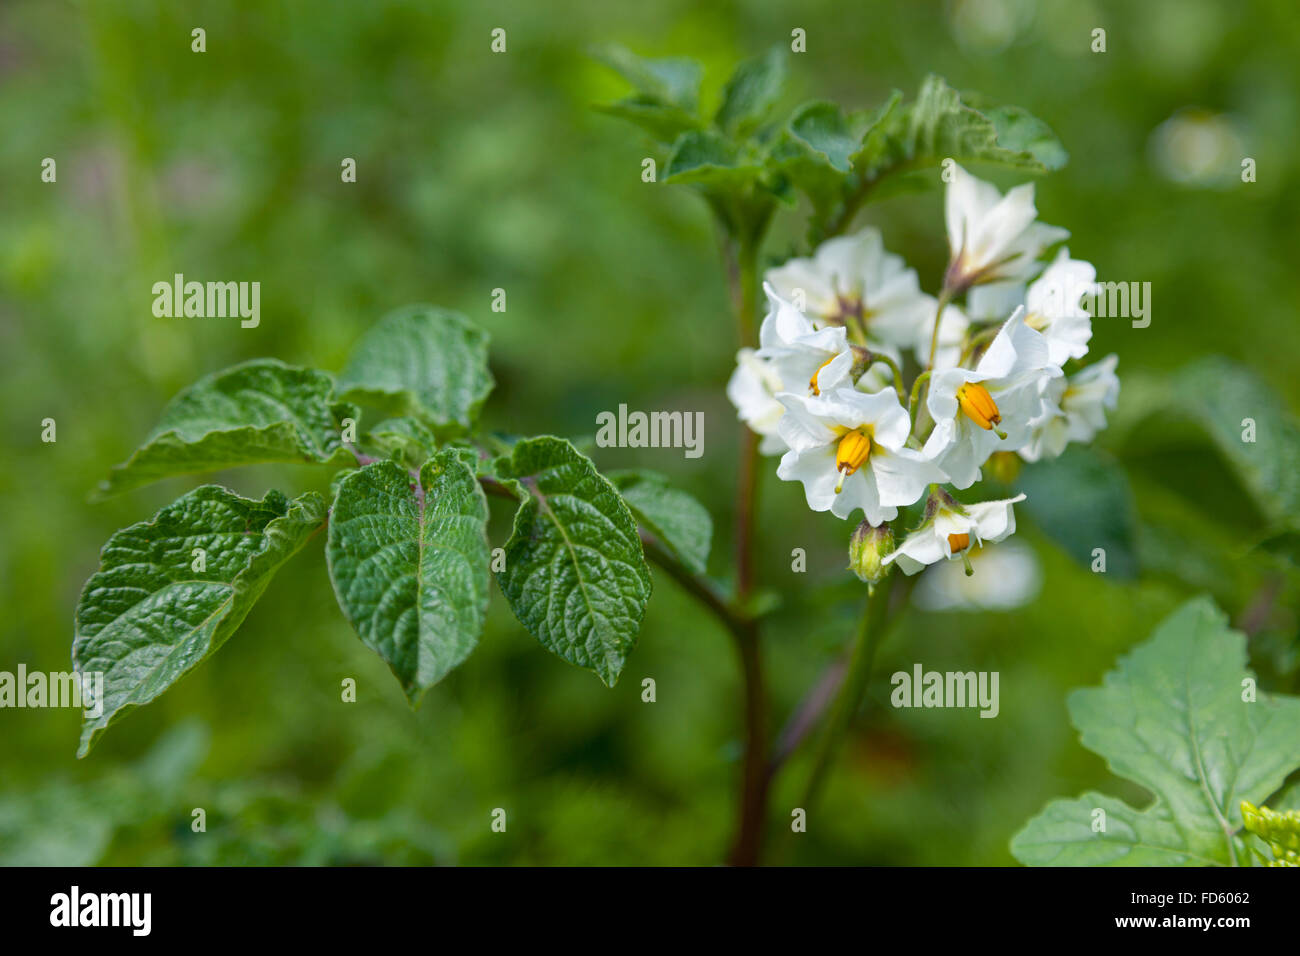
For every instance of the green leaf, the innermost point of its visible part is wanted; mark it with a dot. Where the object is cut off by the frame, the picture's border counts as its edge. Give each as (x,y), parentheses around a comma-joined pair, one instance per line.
(812,154)
(1219,395)
(681,523)
(708,159)
(575,573)
(422,361)
(157,607)
(823,129)
(879,134)
(673,81)
(662,121)
(751,92)
(259,412)
(939,126)
(410,566)
(1022,132)
(405,439)
(1082,501)
(1221,402)
(1171,718)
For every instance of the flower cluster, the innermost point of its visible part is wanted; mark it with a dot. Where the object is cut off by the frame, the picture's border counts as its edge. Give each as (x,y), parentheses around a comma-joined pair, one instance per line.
(993,362)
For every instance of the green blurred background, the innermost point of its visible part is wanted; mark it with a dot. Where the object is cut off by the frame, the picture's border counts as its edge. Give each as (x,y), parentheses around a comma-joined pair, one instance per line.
(479,171)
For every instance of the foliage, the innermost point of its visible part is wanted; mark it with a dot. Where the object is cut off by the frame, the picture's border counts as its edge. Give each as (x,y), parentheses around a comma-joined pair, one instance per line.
(1181,717)
(486,171)
(407,544)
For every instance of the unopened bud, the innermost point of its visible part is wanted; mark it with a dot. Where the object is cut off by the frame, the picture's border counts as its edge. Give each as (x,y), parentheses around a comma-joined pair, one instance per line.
(868,547)
(863,359)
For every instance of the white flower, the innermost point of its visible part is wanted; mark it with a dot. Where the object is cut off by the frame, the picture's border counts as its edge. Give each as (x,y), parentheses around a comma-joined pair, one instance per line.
(1075,409)
(990,408)
(993,237)
(951,529)
(752,388)
(1053,304)
(1008,577)
(794,357)
(806,359)
(851,281)
(847,447)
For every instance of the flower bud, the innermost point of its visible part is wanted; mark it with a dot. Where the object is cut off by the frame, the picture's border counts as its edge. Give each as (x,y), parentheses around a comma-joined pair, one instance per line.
(863,359)
(867,549)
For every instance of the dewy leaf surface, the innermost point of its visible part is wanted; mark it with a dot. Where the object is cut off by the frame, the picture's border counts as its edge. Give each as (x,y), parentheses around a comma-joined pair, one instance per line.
(259,412)
(575,574)
(422,361)
(410,568)
(1171,717)
(156,608)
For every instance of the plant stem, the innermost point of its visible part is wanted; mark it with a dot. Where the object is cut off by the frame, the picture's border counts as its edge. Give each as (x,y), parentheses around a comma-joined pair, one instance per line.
(848,211)
(808,714)
(893,367)
(695,585)
(742,274)
(916,394)
(870,630)
(945,297)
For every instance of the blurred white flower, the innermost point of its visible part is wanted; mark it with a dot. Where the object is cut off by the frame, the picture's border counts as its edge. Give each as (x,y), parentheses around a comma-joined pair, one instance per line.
(1007,576)
(951,529)
(752,388)
(991,237)
(977,412)
(848,450)
(988,26)
(1198,148)
(1053,305)
(1075,409)
(851,281)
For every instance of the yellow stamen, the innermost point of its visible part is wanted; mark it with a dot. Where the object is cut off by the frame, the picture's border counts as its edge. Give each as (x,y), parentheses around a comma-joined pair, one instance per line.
(958,542)
(851,454)
(978,405)
(812,382)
